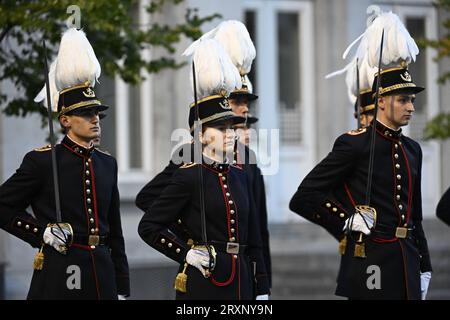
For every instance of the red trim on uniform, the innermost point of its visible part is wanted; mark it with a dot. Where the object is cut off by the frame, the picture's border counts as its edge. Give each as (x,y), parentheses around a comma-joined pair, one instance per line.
(349,194)
(230,279)
(387,137)
(405,273)
(84,192)
(81,246)
(71,150)
(95,275)
(94,195)
(239,277)
(408,212)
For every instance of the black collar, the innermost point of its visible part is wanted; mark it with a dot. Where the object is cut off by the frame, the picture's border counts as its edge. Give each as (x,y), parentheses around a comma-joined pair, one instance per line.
(216,166)
(77,148)
(388,132)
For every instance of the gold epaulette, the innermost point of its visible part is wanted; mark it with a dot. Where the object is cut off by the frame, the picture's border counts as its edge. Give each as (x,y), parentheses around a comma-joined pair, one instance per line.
(188,165)
(44,148)
(357,131)
(103,151)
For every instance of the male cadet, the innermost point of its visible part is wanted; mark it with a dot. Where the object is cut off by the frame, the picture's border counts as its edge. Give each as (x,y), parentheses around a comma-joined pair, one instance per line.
(82,257)
(237,43)
(366,108)
(385,253)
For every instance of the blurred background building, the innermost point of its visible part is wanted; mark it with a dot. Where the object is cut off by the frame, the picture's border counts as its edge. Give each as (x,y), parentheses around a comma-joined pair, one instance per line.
(297,42)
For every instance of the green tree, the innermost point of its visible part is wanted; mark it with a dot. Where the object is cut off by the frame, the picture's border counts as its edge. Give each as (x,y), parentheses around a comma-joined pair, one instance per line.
(117,41)
(439,126)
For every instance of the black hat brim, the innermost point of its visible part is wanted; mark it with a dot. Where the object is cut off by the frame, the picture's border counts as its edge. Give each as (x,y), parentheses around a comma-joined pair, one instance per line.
(409,90)
(228,118)
(248,95)
(98,107)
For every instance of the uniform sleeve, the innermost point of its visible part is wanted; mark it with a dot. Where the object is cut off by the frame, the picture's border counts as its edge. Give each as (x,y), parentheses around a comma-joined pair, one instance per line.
(419,234)
(16,195)
(151,191)
(255,244)
(443,208)
(261,207)
(154,225)
(117,243)
(312,199)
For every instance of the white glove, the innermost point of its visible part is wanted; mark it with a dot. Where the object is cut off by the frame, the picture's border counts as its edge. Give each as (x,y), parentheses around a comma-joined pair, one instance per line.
(199,259)
(57,238)
(357,223)
(121,297)
(262,297)
(425,278)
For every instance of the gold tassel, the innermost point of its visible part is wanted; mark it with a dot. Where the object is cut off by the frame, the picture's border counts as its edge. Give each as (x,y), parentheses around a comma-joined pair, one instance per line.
(181,280)
(360,248)
(343,245)
(38,262)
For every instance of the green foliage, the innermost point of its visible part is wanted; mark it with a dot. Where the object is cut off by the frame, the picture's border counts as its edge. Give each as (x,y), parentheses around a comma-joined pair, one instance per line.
(438,127)
(109,24)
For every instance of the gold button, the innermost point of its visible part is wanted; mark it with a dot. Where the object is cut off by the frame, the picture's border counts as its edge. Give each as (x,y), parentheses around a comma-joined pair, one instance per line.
(93,231)
(232,239)
(220,174)
(328,205)
(178,250)
(88,191)
(223,178)
(163,240)
(230,202)
(90,210)
(88,200)
(400,207)
(341,215)
(232,221)
(88,182)
(169,244)
(91,220)
(386,133)
(179,221)
(334,209)
(398,197)
(399,177)
(403,217)
(92,247)
(235,256)
(225,186)
(396,146)
(228,194)
(87,163)
(87,172)
(232,211)
(19,224)
(35,230)
(27,226)
(397,166)
(396,156)
(399,187)
(232,230)
(89,160)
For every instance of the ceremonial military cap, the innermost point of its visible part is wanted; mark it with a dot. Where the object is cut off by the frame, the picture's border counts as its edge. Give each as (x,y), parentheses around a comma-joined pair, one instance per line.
(395,80)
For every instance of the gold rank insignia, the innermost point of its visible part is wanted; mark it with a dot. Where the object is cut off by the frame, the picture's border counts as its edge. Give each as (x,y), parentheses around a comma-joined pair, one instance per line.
(188,165)
(44,148)
(357,131)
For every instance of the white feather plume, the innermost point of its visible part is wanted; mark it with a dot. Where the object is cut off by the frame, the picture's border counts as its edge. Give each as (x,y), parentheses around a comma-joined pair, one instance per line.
(76,61)
(215,73)
(248,83)
(398,45)
(366,76)
(42,95)
(234,37)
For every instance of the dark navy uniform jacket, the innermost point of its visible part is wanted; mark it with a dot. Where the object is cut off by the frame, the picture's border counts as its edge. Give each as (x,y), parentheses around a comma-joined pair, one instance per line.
(230,218)
(443,207)
(151,191)
(329,193)
(89,202)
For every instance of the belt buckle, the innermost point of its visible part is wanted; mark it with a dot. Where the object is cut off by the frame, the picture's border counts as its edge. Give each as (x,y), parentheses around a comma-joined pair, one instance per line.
(401,232)
(232,247)
(94,240)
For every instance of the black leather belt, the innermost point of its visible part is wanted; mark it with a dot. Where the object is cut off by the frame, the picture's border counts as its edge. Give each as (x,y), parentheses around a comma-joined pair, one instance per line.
(227,247)
(390,231)
(90,240)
